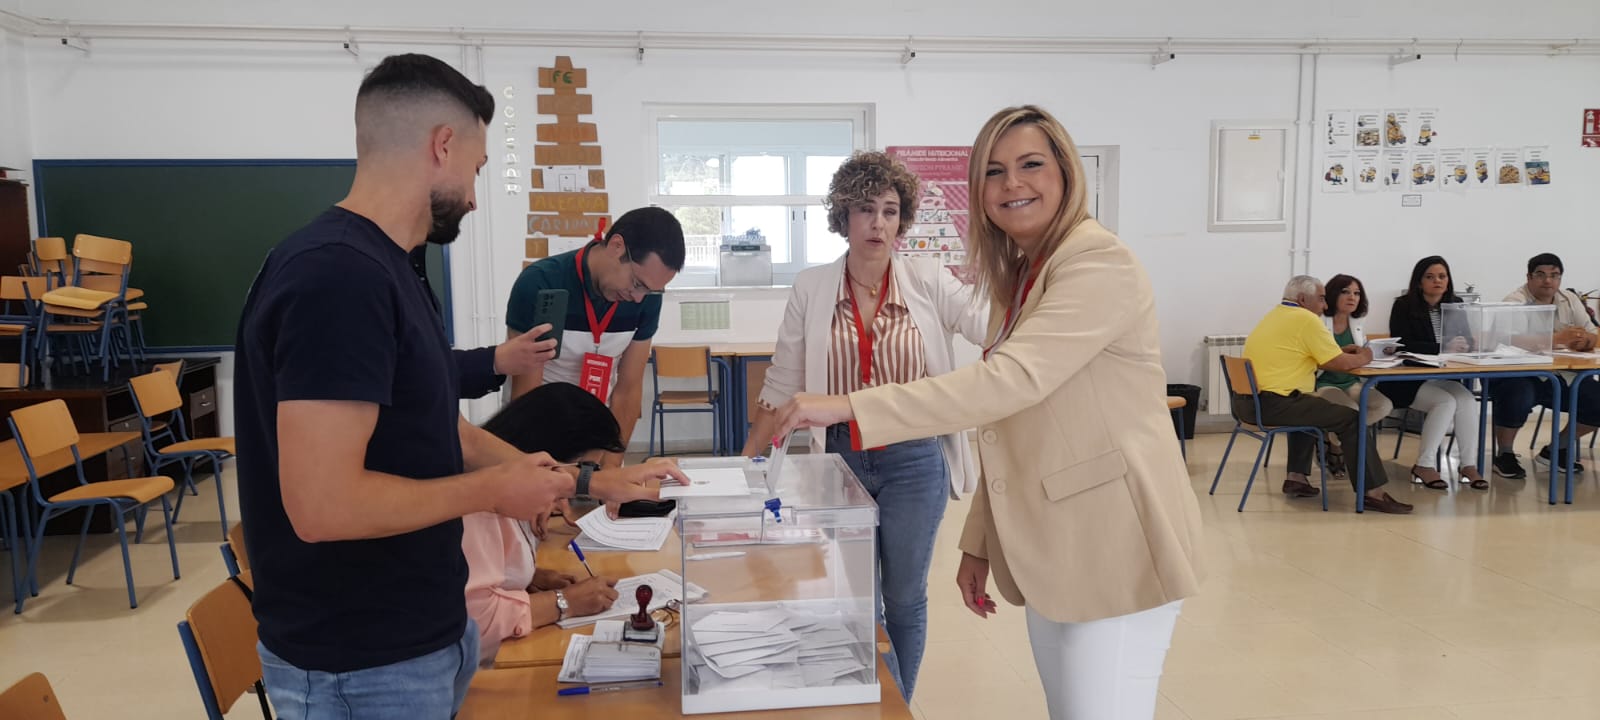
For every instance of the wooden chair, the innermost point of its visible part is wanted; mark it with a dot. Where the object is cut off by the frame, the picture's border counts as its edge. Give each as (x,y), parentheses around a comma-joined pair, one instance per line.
(100,300)
(18,537)
(1241,378)
(233,551)
(156,396)
(50,259)
(683,363)
(1175,405)
(219,636)
(48,428)
(31,698)
(21,316)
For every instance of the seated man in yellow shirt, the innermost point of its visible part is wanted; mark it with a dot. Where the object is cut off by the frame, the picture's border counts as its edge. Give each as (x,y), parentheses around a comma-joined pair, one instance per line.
(1286,348)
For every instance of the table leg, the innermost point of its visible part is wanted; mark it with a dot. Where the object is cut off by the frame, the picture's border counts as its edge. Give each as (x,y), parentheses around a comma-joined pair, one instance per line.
(1360,458)
(1555,435)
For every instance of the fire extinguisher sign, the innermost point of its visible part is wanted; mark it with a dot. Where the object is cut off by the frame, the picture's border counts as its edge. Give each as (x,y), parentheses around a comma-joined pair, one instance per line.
(1591,128)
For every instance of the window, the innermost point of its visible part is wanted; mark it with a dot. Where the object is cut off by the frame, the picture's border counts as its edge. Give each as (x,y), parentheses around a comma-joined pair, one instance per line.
(728,170)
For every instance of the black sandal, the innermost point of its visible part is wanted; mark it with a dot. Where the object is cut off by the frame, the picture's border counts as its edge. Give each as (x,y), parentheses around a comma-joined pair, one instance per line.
(1437,483)
(1479,483)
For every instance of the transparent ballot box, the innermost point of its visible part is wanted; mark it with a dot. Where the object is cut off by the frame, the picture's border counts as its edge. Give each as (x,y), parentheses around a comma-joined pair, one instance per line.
(1498,333)
(788,616)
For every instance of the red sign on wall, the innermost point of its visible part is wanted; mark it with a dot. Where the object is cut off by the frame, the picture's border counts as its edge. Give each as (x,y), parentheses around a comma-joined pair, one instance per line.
(1591,128)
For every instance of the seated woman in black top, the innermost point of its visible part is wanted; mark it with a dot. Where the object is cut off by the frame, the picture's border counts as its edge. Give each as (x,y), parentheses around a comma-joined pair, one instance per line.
(1416,320)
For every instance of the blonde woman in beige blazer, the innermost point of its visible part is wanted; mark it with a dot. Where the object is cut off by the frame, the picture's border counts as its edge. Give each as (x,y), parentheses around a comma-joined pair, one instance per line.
(1085,514)
(909,311)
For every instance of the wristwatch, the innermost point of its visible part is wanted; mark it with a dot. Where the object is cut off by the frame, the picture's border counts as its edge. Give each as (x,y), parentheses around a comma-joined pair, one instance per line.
(561,606)
(586,471)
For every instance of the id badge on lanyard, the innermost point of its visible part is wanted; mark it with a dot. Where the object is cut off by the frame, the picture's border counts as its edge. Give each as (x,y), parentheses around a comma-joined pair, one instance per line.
(594,375)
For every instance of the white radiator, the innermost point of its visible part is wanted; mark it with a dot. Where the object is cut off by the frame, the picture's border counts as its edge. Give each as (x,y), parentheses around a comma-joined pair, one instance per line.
(1217,395)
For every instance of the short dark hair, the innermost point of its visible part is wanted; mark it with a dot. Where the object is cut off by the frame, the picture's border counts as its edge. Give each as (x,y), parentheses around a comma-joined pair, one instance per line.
(651,230)
(418,76)
(1545,259)
(557,418)
(1335,286)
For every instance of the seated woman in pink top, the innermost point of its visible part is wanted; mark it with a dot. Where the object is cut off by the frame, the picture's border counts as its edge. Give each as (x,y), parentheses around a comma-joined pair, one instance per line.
(506,594)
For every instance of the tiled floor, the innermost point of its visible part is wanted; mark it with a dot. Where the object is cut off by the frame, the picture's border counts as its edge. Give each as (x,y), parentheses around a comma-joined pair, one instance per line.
(1481,605)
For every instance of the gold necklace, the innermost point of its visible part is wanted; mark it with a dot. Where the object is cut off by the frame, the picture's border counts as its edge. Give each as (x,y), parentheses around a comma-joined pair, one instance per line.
(872,291)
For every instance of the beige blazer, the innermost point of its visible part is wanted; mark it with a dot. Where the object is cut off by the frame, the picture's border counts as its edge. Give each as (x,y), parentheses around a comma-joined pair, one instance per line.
(940,306)
(1085,509)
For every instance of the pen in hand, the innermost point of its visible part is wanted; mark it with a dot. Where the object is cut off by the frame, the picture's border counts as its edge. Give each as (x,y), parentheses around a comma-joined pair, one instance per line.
(573,543)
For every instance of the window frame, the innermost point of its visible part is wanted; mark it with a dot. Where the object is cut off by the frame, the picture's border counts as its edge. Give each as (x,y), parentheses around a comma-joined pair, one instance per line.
(860,116)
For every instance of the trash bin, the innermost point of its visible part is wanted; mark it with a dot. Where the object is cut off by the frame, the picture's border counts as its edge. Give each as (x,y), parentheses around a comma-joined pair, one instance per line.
(1190,393)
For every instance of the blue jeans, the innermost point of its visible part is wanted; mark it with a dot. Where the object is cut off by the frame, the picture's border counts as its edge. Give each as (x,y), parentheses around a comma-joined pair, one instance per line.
(911,484)
(431,687)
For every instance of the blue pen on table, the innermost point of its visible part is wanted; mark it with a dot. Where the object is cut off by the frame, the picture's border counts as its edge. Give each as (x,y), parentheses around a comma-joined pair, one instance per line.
(574,545)
(614,687)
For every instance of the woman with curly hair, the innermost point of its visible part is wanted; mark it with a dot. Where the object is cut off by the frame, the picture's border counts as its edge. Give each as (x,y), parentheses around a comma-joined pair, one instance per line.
(870,319)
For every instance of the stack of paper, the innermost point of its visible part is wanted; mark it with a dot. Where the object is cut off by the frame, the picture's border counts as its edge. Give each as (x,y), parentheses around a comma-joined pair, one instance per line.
(709,482)
(604,657)
(774,649)
(665,586)
(600,532)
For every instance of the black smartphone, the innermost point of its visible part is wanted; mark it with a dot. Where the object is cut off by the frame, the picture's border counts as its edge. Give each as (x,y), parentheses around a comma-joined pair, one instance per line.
(646,508)
(550,306)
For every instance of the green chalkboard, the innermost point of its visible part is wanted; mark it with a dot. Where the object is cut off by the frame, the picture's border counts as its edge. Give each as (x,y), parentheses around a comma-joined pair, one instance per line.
(199,228)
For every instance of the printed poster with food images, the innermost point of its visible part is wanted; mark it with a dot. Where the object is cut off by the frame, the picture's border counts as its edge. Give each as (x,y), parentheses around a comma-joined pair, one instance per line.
(1338,172)
(1455,168)
(1397,128)
(1369,129)
(940,225)
(1368,168)
(1481,176)
(1396,173)
(1536,164)
(1424,170)
(1508,167)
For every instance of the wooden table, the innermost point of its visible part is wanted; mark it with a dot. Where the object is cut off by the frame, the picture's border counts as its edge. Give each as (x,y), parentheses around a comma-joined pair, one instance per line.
(546,646)
(14,472)
(531,692)
(1463,371)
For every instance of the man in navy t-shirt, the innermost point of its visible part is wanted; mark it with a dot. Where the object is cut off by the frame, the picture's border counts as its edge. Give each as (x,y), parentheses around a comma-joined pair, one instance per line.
(355,465)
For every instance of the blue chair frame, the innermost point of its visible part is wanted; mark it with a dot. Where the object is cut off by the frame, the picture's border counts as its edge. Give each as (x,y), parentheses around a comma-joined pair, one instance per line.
(1261,432)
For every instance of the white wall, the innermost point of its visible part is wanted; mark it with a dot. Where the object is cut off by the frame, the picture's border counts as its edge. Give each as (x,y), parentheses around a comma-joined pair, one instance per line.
(140,100)
(1037,18)
(1486,236)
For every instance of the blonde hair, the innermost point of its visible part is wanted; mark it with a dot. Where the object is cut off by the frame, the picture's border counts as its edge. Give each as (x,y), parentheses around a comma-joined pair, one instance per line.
(993,258)
(861,179)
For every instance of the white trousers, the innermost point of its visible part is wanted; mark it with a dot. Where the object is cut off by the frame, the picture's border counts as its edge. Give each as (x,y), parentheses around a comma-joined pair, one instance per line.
(1106,669)
(1446,402)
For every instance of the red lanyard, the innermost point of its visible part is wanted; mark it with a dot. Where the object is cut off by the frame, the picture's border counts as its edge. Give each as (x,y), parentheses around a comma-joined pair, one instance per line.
(863,330)
(596,326)
(1022,297)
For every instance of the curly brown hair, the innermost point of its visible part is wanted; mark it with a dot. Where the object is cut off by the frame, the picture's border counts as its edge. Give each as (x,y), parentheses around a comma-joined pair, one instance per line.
(861,179)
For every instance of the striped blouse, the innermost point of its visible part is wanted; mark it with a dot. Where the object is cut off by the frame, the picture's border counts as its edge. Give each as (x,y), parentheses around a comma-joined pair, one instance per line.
(897,353)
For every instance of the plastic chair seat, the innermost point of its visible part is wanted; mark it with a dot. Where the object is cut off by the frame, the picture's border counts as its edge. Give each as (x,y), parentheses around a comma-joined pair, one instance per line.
(74,327)
(142,490)
(78,298)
